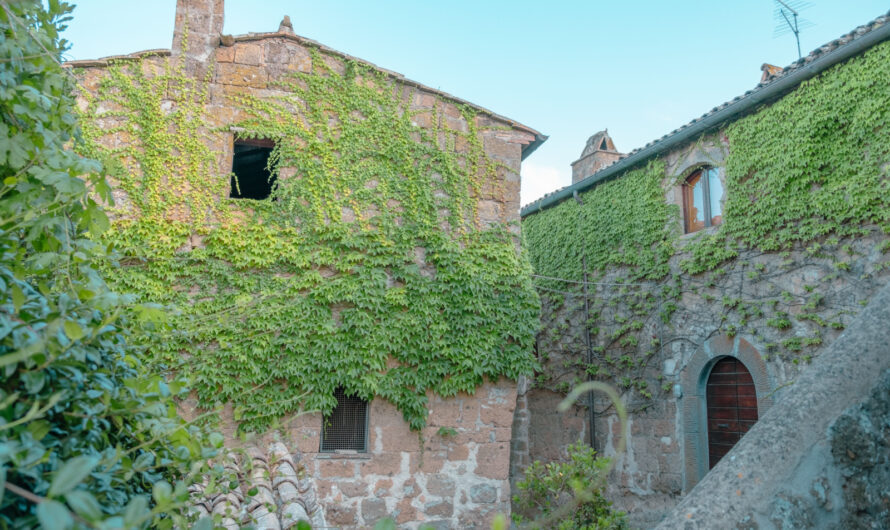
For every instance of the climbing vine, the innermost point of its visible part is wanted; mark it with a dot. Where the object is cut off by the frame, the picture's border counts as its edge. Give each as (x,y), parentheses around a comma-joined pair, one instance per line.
(366,269)
(805,213)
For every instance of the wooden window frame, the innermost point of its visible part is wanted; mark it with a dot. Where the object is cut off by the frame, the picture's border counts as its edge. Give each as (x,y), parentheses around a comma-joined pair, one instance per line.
(688,195)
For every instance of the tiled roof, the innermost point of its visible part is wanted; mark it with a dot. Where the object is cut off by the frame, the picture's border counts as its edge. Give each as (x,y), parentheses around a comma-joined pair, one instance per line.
(825,48)
(653,148)
(284,494)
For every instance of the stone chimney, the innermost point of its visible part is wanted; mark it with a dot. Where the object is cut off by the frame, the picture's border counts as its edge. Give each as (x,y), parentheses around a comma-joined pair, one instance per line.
(202,22)
(769,71)
(598,153)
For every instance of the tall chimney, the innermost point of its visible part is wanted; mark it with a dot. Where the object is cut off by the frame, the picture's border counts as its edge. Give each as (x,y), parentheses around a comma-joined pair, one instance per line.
(202,22)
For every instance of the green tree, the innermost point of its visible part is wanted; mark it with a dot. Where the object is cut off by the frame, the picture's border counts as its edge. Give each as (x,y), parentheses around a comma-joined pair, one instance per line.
(87,437)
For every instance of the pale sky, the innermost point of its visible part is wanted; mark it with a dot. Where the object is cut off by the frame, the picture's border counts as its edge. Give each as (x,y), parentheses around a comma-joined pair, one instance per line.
(568,69)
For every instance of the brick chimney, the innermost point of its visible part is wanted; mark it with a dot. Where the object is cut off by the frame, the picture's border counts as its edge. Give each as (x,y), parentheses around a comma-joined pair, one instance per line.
(202,22)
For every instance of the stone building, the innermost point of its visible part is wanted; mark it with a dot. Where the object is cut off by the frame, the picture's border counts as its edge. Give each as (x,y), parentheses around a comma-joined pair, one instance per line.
(454,472)
(704,277)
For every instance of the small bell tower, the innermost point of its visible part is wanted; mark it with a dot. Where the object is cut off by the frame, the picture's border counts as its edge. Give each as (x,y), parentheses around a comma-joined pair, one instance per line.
(599,152)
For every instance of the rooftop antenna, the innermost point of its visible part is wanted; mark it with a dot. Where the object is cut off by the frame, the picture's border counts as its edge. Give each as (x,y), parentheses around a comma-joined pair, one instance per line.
(788,20)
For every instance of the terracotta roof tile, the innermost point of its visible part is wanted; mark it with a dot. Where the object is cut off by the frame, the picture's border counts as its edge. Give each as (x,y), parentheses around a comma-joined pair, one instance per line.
(284,494)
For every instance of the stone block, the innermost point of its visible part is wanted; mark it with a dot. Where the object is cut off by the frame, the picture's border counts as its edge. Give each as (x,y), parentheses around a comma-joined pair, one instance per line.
(483,493)
(423,119)
(489,211)
(334,64)
(442,508)
(429,462)
(225,54)
(340,514)
(493,461)
(381,487)
(498,416)
(336,468)
(373,510)
(500,149)
(405,512)
(502,434)
(241,75)
(423,100)
(249,53)
(458,452)
(385,464)
(445,412)
(353,488)
(480,518)
(440,485)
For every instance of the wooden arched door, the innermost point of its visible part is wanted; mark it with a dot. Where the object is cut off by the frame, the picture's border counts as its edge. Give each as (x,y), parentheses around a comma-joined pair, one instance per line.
(732,406)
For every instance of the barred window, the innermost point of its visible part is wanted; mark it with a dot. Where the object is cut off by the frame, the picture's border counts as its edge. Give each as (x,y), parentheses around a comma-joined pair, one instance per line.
(346,428)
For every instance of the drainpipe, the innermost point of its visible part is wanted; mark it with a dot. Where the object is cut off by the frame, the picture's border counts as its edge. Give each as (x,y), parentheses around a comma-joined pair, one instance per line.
(591,413)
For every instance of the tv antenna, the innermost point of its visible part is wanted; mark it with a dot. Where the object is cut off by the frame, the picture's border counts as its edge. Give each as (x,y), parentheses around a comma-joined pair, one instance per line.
(788,20)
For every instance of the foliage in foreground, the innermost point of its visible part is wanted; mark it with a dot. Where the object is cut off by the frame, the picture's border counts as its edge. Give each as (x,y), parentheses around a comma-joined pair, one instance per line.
(87,437)
(567,495)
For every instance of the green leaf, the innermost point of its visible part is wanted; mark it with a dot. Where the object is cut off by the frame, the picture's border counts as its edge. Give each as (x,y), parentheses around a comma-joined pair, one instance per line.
(216,439)
(73,330)
(2,483)
(54,516)
(162,492)
(206,523)
(136,511)
(383,524)
(18,297)
(84,504)
(72,473)
(303,525)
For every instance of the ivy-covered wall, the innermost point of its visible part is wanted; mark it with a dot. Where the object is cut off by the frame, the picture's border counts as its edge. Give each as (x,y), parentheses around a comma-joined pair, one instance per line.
(386,262)
(799,252)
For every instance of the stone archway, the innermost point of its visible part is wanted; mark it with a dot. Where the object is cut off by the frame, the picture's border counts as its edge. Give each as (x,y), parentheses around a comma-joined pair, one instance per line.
(694,377)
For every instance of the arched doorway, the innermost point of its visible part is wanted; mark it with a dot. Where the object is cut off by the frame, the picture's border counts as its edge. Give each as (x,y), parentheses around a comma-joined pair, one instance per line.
(731,406)
(748,393)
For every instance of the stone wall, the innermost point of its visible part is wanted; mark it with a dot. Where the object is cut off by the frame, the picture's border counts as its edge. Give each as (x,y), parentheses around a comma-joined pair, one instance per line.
(777,312)
(819,457)
(454,473)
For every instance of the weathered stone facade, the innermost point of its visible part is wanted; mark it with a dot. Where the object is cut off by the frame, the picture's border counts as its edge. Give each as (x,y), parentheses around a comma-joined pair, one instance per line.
(756,308)
(453,474)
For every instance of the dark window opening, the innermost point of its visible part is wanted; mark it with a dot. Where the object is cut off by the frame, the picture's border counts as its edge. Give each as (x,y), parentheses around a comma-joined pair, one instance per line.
(251,178)
(346,428)
(603,146)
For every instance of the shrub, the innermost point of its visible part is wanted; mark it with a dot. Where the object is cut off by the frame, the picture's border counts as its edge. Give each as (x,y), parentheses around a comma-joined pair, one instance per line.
(87,437)
(567,495)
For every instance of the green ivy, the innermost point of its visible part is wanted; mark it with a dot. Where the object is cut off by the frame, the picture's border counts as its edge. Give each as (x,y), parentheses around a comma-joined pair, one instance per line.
(367,269)
(810,165)
(623,223)
(801,173)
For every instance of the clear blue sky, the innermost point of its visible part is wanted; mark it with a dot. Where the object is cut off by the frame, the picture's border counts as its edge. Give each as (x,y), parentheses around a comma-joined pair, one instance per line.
(568,69)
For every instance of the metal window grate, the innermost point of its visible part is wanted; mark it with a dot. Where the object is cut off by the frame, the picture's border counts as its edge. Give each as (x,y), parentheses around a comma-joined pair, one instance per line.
(347,426)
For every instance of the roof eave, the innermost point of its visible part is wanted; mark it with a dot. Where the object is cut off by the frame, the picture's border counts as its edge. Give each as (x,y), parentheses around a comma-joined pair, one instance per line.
(743,104)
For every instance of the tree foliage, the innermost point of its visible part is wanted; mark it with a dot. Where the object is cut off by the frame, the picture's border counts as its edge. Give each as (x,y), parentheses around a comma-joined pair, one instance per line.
(88,438)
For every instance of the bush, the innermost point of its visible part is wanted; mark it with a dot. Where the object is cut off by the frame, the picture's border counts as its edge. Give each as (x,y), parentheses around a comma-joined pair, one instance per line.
(567,495)
(87,437)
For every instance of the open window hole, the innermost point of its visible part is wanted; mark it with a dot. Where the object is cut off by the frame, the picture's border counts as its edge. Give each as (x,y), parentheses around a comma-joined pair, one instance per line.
(251,177)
